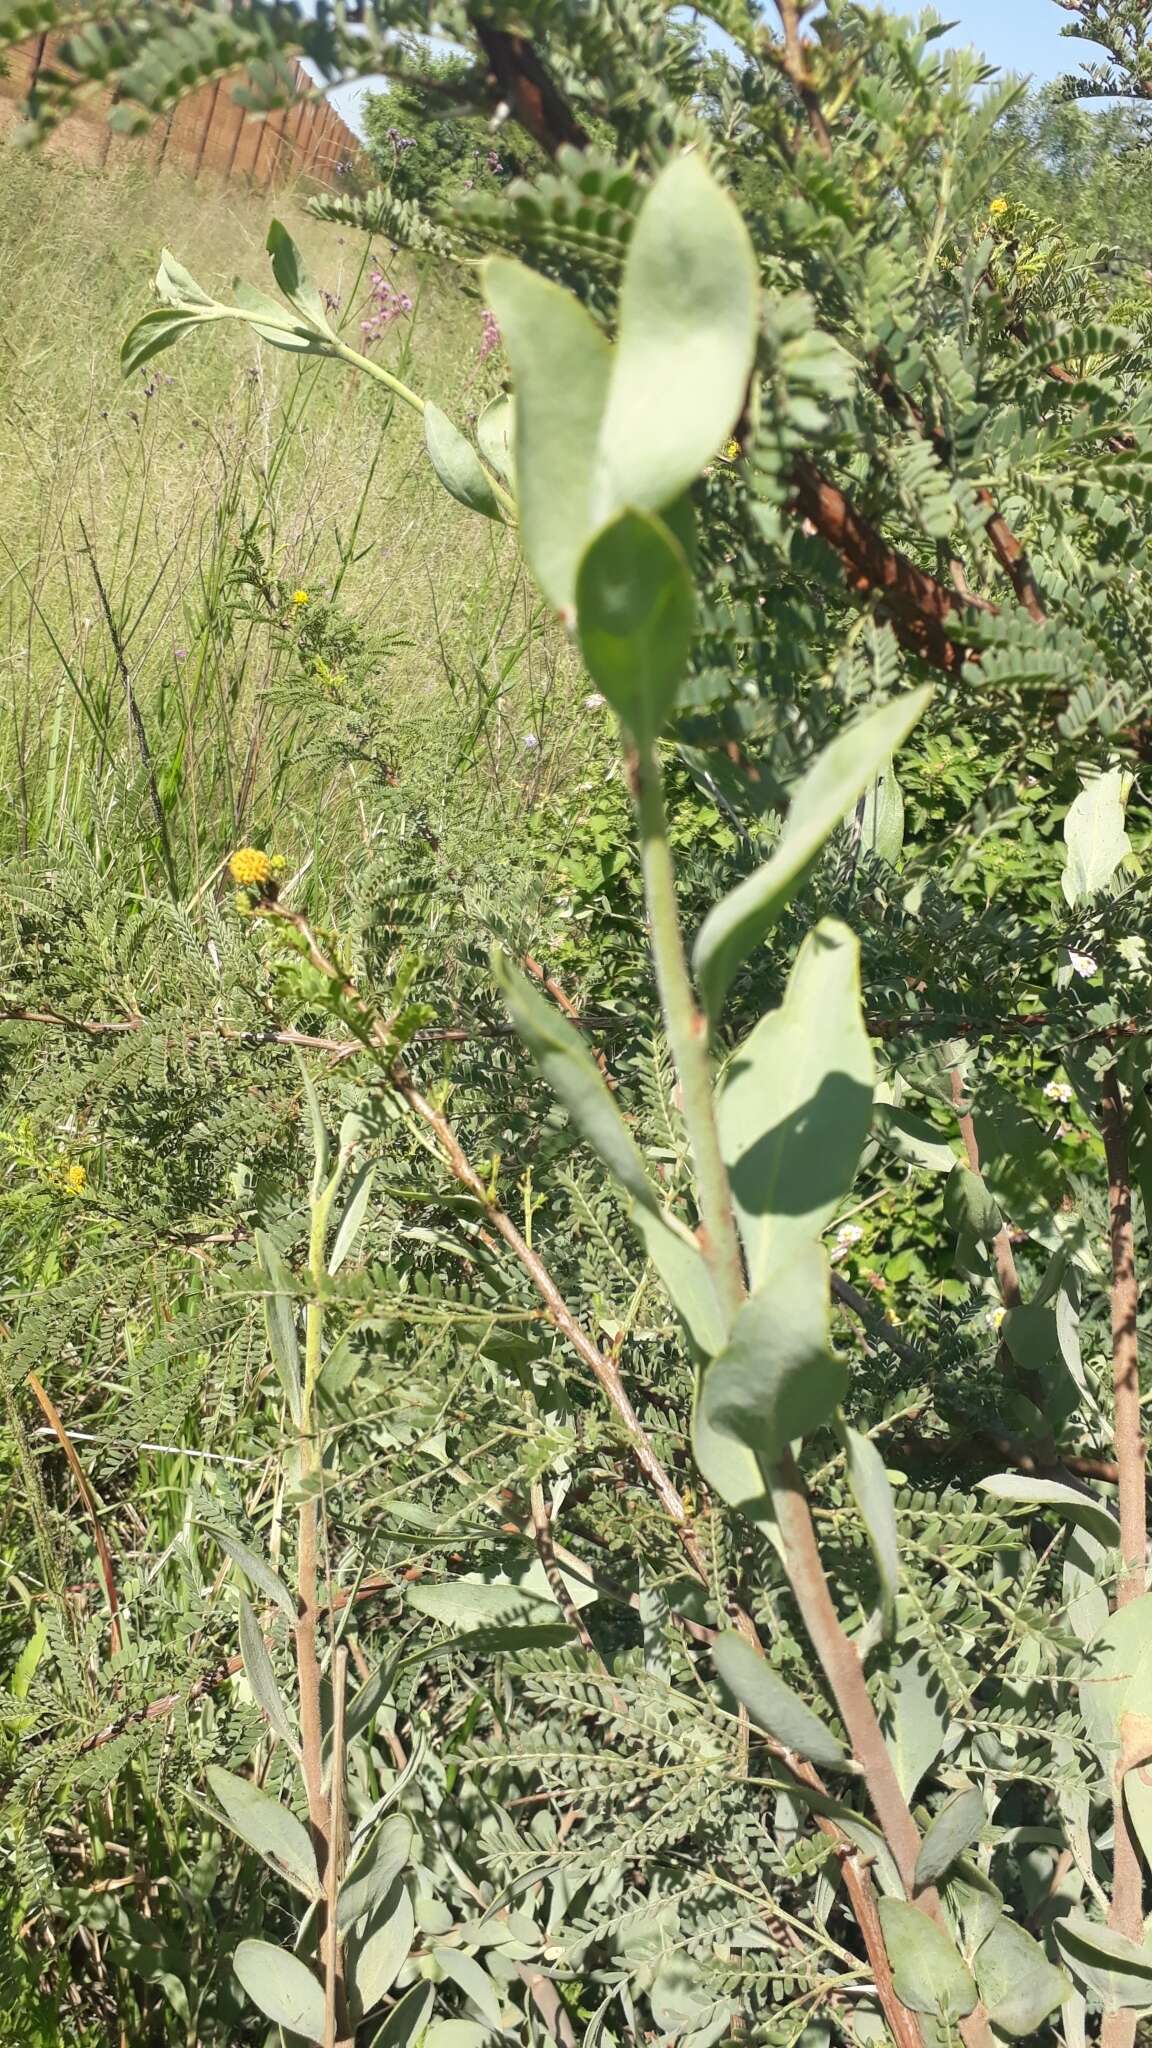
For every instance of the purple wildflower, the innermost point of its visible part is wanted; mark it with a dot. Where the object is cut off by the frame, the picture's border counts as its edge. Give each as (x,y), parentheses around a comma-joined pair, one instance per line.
(490,336)
(385,304)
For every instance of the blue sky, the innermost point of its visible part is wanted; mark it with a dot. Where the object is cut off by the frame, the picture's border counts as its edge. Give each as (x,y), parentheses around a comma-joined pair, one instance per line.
(1017,35)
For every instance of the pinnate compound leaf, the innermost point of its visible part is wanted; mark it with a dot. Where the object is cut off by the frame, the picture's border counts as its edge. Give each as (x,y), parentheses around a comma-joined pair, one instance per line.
(1016,1981)
(282,1987)
(950,1832)
(794,1103)
(1095,838)
(574,1078)
(560,365)
(261,1677)
(1112,1968)
(742,919)
(280,1321)
(375,1871)
(635,610)
(777,1377)
(457,465)
(872,1492)
(293,279)
(928,1971)
(375,1958)
(772,1705)
(268,1827)
(255,1569)
(407,2020)
(1021,1489)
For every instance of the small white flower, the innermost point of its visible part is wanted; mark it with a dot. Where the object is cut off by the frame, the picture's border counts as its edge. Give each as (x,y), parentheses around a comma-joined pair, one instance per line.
(1082,963)
(530,743)
(594,701)
(847,1235)
(1057,1091)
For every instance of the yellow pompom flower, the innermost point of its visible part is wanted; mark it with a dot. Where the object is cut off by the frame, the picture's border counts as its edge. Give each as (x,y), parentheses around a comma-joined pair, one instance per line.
(732,451)
(300,597)
(998,206)
(76,1178)
(250,868)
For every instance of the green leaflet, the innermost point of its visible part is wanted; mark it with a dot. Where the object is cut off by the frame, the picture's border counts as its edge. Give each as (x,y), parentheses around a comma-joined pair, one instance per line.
(255,1569)
(261,1677)
(602,429)
(573,1076)
(1025,1491)
(738,924)
(872,1493)
(949,1834)
(1116,1687)
(293,279)
(881,817)
(1094,835)
(929,1974)
(268,1827)
(375,1872)
(915,1721)
(282,1987)
(473,1980)
(795,1102)
(635,610)
(1113,1969)
(495,433)
(377,1954)
(407,2020)
(280,1322)
(457,464)
(355,1208)
(772,1705)
(777,1377)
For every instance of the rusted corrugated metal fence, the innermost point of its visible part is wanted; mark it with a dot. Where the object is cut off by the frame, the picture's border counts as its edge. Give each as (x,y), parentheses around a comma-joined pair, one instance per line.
(207,134)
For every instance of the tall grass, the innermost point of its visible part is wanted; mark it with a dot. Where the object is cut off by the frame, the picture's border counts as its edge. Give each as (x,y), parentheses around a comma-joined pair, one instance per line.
(155,672)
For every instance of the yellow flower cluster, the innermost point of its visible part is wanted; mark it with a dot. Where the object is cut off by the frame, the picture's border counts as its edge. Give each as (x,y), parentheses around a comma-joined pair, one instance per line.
(76,1178)
(998,207)
(732,451)
(250,869)
(300,597)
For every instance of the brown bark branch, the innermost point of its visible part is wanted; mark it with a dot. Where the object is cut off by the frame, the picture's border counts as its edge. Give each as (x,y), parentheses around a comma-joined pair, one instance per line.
(527,88)
(1130,1446)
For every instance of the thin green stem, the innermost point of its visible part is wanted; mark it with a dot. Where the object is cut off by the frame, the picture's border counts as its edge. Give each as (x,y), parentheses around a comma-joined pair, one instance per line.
(687,1031)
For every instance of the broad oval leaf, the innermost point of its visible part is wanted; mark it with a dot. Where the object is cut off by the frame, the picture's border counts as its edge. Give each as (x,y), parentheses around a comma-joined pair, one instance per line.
(470,1978)
(293,279)
(794,1103)
(1016,1981)
(949,1833)
(282,1987)
(1095,837)
(160,329)
(742,919)
(635,611)
(261,1677)
(407,2020)
(1114,1969)
(928,1971)
(686,321)
(375,1957)
(915,1721)
(560,363)
(1022,1490)
(777,1377)
(457,464)
(773,1706)
(268,1827)
(375,1871)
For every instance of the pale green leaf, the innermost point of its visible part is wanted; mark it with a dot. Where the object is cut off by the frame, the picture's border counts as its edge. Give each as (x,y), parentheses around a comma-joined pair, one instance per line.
(794,1103)
(635,610)
(292,278)
(872,1492)
(1023,1490)
(772,1705)
(882,817)
(560,363)
(1016,1981)
(316,1124)
(777,1377)
(280,1321)
(375,1871)
(160,329)
(468,1603)
(376,1956)
(261,1677)
(282,1987)
(470,1978)
(949,1833)
(359,1196)
(457,464)
(268,1827)
(255,1569)
(405,2024)
(913,1138)
(456,2034)
(686,322)
(1112,1968)
(495,433)
(915,1721)
(274,324)
(1095,838)
(742,919)
(927,1969)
